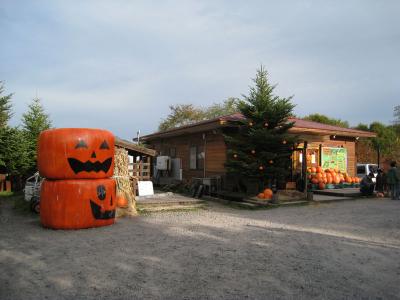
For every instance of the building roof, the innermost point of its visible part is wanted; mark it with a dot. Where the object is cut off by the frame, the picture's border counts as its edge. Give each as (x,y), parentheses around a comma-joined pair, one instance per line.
(134,149)
(300,127)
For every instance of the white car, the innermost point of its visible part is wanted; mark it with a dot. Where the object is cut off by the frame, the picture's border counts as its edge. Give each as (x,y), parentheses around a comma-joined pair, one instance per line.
(365,169)
(32,191)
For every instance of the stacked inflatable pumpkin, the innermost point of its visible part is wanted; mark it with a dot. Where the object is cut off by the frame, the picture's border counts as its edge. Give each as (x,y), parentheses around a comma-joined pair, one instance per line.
(78,191)
(320,177)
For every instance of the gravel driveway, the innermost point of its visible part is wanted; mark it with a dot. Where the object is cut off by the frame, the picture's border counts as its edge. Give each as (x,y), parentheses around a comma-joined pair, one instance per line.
(329,251)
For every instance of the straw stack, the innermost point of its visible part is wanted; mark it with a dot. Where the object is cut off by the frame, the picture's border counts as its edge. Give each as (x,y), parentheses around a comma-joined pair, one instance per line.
(124,182)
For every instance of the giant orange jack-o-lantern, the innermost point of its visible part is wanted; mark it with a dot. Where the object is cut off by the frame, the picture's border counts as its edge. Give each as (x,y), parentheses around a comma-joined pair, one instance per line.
(77,203)
(76,153)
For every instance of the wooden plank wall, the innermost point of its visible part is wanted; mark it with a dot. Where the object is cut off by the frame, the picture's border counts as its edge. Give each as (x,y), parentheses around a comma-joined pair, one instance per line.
(216,152)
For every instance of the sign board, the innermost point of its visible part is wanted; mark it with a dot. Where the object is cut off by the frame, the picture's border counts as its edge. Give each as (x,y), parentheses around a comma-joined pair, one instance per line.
(145,188)
(335,158)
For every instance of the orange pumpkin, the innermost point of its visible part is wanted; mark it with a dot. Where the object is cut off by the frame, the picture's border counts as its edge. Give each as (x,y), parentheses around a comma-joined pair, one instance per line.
(329,179)
(321,186)
(261,196)
(314,181)
(77,203)
(268,193)
(336,179)
(319,169)
(349,180)
(72,153)
(313,170)
(121,201)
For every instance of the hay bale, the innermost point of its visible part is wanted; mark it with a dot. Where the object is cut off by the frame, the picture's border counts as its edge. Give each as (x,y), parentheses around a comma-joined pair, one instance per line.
(124,182)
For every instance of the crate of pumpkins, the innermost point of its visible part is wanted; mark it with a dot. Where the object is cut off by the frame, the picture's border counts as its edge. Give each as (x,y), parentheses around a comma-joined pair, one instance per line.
(320,179)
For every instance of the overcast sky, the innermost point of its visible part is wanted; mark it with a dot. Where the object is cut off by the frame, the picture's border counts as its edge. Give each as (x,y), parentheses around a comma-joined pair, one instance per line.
(119,64)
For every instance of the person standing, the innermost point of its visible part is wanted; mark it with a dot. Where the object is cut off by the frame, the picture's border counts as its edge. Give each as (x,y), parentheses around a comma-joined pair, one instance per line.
(393,181)
(380,184)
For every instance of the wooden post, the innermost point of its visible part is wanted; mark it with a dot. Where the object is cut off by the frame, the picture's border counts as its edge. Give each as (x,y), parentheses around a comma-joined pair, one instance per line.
(304,167)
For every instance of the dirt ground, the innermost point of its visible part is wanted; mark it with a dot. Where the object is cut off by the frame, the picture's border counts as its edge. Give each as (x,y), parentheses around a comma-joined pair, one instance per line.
(328,251)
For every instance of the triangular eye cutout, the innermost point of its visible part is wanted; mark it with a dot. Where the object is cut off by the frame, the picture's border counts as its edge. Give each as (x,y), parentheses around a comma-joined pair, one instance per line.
(104,145)
(81,144)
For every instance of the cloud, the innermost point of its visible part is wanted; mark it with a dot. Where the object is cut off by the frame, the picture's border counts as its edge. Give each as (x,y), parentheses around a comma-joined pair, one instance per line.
(119,64)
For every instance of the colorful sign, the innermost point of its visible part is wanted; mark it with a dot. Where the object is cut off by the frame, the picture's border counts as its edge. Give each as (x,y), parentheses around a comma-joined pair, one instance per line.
(335,158)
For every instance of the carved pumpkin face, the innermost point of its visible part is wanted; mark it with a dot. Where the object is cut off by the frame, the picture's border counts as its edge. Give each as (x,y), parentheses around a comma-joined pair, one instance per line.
(76,153)
(75,204)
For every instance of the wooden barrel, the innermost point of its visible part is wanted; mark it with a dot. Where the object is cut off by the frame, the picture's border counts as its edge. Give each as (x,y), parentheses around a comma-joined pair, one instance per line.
(77,203)
(76,153)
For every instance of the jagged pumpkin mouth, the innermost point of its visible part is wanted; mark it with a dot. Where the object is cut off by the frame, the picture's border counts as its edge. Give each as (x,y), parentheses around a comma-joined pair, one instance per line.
(88,166)
(100,214)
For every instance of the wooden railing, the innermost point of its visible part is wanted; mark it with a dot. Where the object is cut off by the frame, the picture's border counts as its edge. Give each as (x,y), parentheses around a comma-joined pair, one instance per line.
(140,170)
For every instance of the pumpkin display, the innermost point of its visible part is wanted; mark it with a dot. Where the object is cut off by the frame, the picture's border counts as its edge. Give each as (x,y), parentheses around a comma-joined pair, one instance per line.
(324,177)
(72,153)
(268,193)
(77,203)
(121,201)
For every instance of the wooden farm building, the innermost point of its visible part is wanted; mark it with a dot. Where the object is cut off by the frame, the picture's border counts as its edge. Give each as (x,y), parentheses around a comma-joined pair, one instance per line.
(199,151)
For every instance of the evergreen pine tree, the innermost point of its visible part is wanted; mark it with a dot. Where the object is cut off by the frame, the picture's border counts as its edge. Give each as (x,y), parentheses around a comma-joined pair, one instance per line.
(260,146)
(5,107)
(34,121)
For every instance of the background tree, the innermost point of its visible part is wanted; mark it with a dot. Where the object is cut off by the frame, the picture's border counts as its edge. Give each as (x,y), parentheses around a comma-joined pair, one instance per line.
(34,121)
(5,107)
(387,140)
(362,126)
(14,152)
(260,146)
(13,145)
(396,114)
(326,120)
(184,114)
(5,116)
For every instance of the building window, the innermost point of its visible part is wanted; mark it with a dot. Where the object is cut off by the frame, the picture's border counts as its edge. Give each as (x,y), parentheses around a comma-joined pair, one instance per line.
(200,157)
(196,158)
(193,158)
(172,152)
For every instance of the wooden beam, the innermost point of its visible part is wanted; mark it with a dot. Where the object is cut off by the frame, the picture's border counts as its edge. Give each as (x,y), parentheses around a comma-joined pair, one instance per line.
(134,147)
